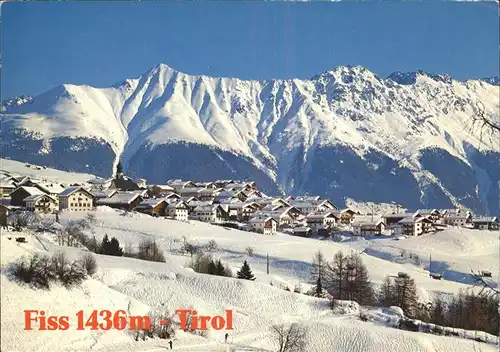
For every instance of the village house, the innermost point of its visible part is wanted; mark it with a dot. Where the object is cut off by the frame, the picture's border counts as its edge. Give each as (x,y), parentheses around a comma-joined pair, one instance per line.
(53,189)
(486,223)
(392,219)
(100,193)
(208,193)
(7,185)
(265,225)
(433,215)
(154,206)
(172,196)
(321,220)
(458,220)
(76,199)
(246,210)
(41,203)
(347,216)
(122,200)
(225,195)
(159,190)
(189,192)
(142,183)
(284,216)
(180,184)
(195,202)
(412,226)
(208,185)
(4,215)
(368,227)
(177,210)
(19,194)
(302,231)
(213,213)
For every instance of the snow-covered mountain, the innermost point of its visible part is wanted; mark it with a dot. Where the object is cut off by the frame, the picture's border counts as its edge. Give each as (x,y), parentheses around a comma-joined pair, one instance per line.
(343,133)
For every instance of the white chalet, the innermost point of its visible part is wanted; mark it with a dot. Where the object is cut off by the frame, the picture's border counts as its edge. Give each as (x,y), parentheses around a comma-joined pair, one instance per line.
(177,210)
(265,225)
(486,223)
(40,203)
(321,220)
(212,213)
(364,226)
(412,226)
(458,220)
(76,199)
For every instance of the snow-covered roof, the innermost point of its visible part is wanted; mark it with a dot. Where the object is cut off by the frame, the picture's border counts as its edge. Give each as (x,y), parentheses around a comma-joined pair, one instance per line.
(260,220)
(412,220)
(399,215)
(30,190)
(35,197)
(51,188)
(150,203)
(302,229)
(70,190)
(320,215)
(485,219)
(176,204)
(120,198)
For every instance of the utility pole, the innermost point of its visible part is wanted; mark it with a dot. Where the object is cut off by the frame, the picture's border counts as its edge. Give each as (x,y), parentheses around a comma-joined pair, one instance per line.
(267,263)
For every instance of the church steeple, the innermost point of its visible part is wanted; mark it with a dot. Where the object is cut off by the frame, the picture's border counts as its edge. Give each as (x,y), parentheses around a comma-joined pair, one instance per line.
(119,170)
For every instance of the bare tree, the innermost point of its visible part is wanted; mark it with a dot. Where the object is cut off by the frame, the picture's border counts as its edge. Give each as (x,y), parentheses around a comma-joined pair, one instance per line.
(289,339)
(487,288)
(485,125)
(88,262)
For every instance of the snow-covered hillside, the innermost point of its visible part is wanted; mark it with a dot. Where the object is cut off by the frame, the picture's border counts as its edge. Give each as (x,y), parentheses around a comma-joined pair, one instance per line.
(140,287)
(343,133)
(42,173)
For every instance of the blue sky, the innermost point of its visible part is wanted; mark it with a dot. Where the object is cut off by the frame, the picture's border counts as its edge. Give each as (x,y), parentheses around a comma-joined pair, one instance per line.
(45,44)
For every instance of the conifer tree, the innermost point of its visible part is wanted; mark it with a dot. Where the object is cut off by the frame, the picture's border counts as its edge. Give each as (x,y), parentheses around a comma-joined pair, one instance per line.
(219,269)
(211,268)
(318,273)
(105,244)
(114,247)
(245,272)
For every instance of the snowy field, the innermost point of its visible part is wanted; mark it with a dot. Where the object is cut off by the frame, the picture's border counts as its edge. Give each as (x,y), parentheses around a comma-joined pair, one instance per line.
(140,287)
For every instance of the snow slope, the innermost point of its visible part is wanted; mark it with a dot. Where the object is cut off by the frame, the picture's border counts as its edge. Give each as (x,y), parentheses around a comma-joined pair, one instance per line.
(408,130)
(140,286)
(18,168)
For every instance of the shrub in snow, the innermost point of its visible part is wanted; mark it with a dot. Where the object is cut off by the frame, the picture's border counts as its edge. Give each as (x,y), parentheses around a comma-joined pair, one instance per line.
(250,251)
(205,264)
(148,250)
(39,271)
(211,246)
(189,248)
(89,263)
(289,339)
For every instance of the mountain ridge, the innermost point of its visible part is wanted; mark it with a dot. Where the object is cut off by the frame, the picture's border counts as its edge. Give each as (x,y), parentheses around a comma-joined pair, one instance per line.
(280,131)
